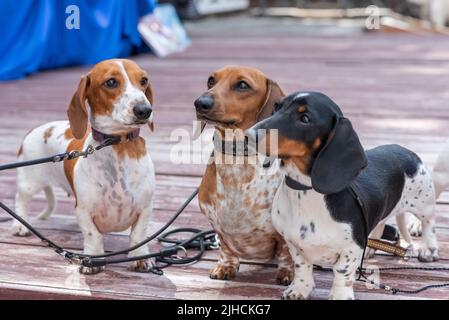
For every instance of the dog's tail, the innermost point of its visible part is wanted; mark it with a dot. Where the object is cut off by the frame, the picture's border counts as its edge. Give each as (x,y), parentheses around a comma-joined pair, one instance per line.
(50,196)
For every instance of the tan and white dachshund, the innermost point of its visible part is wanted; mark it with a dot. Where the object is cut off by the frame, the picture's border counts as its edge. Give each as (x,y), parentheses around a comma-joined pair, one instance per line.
(113,187)
(237,196)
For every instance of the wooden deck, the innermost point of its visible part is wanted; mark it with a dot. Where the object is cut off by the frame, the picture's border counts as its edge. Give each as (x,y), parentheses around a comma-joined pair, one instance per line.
(394,89)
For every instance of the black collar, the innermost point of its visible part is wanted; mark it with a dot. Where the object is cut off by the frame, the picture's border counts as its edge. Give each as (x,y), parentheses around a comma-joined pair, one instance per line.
(100,136)
(296,185)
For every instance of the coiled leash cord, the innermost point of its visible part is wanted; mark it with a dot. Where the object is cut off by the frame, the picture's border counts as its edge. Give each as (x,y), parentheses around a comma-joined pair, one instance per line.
(201,240)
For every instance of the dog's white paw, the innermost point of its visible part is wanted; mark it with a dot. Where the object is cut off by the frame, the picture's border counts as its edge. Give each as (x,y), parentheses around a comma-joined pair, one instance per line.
(20,230)
(428,254)
(295,292)
(342,293)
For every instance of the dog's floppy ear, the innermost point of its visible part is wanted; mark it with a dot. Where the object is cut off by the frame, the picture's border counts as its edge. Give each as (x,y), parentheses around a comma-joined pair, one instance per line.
(149,95)
(274,94)
(340,160)
(77,111)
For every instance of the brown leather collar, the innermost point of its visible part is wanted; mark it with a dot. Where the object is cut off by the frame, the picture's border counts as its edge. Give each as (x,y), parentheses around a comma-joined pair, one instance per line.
(100,136)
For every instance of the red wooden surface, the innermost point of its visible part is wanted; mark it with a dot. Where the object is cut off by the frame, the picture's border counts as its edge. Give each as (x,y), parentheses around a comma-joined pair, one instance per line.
(394,88)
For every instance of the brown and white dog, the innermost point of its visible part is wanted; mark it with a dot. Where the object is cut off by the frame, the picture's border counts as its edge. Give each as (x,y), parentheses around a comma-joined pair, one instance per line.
(113,187)
(236,197)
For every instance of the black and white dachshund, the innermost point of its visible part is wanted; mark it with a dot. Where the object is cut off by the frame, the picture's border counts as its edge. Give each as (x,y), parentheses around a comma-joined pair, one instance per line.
(335,193)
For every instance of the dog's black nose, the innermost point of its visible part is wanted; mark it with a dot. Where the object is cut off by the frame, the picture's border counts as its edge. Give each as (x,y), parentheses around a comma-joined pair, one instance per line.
(142,111)
(204,103)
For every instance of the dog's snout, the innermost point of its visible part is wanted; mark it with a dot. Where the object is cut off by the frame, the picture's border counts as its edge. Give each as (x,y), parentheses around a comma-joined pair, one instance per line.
(204,103)
(142,111)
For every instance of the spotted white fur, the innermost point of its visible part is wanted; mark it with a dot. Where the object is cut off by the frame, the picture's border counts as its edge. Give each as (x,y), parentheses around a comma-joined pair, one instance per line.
(314,237)
(440,175)
(241,215)
(113,192)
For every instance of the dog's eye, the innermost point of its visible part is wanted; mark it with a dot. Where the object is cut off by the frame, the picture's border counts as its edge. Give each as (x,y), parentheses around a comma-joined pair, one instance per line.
(111,83)
(277,106)
(210,82)
(242,85)
(304,119)
(144,81)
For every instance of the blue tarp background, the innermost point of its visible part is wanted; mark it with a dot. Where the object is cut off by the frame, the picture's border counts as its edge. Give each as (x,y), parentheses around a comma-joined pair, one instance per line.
(33,33)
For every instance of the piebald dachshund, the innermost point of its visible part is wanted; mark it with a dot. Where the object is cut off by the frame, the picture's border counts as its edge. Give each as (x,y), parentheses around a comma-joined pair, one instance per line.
(237,196)
(113,187)
(334,193)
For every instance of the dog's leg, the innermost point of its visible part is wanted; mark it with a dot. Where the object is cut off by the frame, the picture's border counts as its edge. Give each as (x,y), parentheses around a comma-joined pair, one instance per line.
(401,220)
(27,187)
(22,199)
(139,232)
(429,252)
(227,265)
(93,239)
(375,234)
(344,273)
(413,225)
(303,283)
(422,205)
(285,272)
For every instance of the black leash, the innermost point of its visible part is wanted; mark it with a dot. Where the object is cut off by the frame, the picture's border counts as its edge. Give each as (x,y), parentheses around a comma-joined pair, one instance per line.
(201,240)
(62,156)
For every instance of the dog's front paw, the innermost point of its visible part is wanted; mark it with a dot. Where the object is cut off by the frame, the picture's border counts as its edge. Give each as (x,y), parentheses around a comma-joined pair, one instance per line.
(89,270)
(284,276)
(223,272)
(342,293)
(428,254)
(140,266)
(296,293)
(20,230)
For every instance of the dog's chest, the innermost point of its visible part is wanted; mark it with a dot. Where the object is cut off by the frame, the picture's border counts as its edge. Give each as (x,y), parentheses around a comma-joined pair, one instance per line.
(244,198)
(302,218)
(117,189)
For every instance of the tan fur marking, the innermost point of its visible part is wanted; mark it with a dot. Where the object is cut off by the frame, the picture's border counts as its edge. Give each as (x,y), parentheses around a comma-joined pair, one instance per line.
(208,185)
(20,152)
(301,109)
(47,134)
(68,134)
(134,149)
(69,165)
(102,99)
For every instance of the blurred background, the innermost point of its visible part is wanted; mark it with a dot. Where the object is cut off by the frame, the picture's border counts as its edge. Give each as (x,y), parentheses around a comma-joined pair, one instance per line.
(45,34)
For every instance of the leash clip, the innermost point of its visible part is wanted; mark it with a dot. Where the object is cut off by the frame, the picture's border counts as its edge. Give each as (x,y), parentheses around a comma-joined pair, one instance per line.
(177,256)
(89,150)
(69,258)
(215,244)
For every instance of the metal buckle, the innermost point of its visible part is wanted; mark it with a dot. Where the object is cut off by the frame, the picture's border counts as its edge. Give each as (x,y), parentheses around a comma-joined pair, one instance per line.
(216,244)
(89,150)
(70,260)
(185,253)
